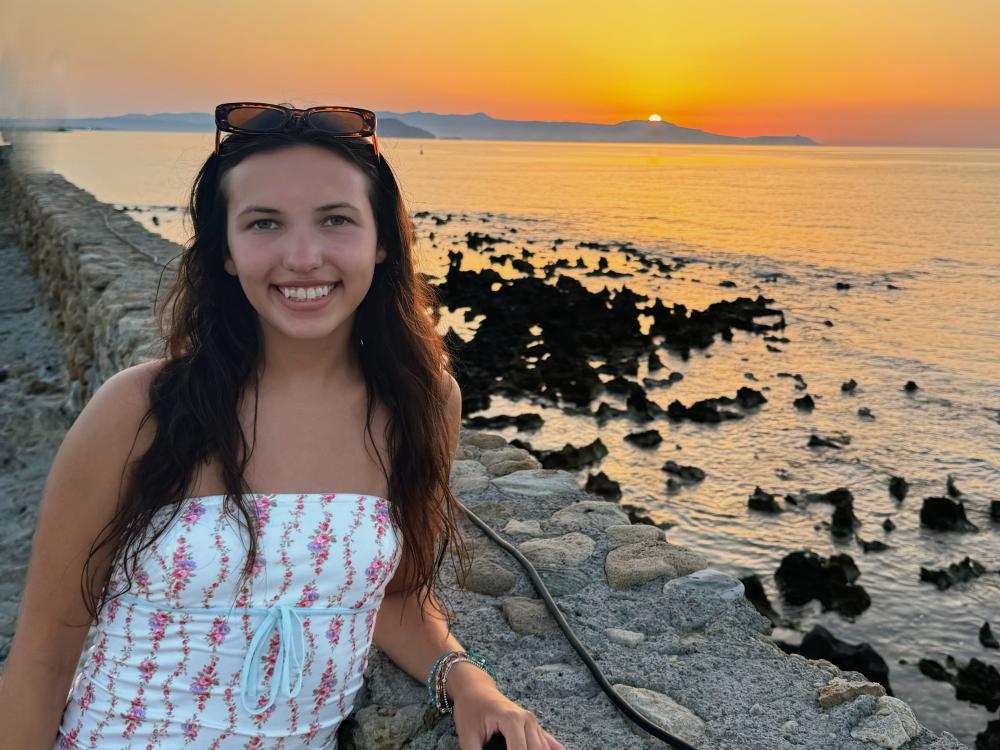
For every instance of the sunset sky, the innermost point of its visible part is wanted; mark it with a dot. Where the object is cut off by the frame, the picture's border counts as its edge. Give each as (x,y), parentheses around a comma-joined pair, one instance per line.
(865,72)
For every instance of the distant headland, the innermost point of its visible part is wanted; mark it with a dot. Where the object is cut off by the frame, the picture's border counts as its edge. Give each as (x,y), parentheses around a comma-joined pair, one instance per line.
(478,126)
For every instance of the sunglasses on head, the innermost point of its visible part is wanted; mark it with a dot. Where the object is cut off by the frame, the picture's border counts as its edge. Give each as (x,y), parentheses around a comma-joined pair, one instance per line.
(252,117)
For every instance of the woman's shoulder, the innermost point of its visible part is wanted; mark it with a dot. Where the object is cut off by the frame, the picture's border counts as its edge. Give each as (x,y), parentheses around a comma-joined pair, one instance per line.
(130,387)
(119,406)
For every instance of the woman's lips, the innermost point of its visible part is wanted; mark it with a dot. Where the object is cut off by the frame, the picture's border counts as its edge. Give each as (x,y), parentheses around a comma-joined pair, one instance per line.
(306,304)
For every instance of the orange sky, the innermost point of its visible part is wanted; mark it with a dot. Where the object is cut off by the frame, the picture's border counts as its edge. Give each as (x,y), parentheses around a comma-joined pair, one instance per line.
(876,72)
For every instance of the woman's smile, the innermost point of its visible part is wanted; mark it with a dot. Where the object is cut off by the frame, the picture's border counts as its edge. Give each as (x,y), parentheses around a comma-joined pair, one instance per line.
(305,304)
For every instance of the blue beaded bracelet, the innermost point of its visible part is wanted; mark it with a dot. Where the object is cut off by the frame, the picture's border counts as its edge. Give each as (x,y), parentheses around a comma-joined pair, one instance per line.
(473,657)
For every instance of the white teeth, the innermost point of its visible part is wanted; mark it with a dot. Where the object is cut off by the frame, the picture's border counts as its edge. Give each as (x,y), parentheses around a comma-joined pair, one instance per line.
(302,293)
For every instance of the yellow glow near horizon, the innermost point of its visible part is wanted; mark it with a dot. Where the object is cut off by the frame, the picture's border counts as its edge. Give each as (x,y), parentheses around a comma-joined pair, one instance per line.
(655,118)
(838,71)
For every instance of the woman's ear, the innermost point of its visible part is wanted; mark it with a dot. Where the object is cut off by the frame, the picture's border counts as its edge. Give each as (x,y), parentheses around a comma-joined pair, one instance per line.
(380,254)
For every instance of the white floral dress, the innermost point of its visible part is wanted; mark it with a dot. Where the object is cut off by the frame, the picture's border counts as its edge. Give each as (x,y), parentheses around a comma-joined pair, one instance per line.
(185,660)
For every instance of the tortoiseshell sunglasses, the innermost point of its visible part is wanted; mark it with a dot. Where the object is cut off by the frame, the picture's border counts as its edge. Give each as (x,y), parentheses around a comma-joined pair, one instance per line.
(253,117)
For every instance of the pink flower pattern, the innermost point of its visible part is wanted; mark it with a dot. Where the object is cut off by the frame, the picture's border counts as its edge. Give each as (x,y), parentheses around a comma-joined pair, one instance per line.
(162,674)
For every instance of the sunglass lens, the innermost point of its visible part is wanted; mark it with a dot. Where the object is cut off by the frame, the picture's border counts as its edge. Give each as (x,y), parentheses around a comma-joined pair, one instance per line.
(337,122)
(257,118)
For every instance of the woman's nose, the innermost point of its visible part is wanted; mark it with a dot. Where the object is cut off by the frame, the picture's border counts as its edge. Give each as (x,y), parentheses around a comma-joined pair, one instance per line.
(304,251)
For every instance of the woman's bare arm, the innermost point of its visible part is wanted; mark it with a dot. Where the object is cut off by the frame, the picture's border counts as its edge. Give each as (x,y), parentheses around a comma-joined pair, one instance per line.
(412,641)
(80,496)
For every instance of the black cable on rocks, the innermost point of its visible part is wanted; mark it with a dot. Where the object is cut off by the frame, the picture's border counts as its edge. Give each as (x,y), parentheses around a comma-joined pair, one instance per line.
(622,704)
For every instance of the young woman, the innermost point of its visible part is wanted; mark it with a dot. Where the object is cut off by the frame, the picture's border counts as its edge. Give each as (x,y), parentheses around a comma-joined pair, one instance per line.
(242,518)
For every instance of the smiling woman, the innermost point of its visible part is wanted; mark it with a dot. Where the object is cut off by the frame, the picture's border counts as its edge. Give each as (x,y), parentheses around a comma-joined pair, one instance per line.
(290,260)
(297,318)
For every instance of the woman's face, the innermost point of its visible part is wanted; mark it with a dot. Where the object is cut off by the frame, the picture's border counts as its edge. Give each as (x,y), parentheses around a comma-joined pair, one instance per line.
(298,218)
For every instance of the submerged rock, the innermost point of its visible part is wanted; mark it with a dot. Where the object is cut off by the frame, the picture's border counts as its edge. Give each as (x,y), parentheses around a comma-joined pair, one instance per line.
(687,474)
(602,485)
(803,576)
(959,572)
(987,638)
(753,590)
(764,501)
(898,487)
(820,643)
(945,514)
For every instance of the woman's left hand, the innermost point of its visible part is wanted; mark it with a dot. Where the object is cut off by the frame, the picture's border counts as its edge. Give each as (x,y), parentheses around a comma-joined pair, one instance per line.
(482,711)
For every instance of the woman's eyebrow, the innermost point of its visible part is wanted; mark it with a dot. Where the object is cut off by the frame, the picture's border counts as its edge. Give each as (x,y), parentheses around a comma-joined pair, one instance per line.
(265,210)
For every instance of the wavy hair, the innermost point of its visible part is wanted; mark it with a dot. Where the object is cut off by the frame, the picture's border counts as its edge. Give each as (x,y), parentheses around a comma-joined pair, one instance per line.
(213,354)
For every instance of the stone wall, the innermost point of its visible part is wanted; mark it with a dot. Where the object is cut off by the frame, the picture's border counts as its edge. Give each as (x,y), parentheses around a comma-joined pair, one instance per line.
(97,268)
(676,638)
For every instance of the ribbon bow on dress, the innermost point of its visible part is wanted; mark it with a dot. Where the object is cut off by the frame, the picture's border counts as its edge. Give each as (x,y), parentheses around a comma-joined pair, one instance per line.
(289,660)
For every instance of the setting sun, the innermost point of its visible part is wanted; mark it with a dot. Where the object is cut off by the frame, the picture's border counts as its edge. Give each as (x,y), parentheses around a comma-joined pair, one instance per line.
(655,118)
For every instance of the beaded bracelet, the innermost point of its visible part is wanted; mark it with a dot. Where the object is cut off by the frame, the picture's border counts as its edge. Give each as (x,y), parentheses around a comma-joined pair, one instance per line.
(437,679)
(444,691)
(440,687)
(432,676)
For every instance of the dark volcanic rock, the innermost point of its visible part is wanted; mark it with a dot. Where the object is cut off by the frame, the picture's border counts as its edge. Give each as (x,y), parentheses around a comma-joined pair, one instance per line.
(945,514)
(959,572)
(638,405)
(844,521)
(571,457)
(700,411)
(816,441)
(953,490)
(820,643)
(602,485)
(687,474)
(606,411)
(873,546)
(805,403)
(995,510)
(683,332)
(835,497)
(804,575)
(645,439)
(987,638)
(764,501)
(888,525)
(976,682)
(528,421)
(898,487)
(753,590)
(707,410)
(849,386)
(989,738)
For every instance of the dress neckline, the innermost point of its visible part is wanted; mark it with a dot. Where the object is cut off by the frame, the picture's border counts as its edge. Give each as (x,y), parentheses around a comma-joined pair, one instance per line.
(340,495)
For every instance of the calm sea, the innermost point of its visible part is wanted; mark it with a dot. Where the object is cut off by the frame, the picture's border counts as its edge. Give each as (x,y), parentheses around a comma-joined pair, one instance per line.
(922,219)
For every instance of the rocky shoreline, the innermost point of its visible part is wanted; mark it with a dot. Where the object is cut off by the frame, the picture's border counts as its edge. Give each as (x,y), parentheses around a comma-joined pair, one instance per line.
(679,640)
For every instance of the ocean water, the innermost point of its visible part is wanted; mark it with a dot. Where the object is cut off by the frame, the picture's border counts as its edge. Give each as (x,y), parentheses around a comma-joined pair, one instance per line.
(785,222)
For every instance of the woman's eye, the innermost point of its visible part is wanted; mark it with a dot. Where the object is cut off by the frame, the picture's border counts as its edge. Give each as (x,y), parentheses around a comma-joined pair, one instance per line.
(255,224)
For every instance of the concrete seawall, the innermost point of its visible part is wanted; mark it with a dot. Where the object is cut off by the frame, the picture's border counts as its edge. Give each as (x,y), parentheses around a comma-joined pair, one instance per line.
(676,638)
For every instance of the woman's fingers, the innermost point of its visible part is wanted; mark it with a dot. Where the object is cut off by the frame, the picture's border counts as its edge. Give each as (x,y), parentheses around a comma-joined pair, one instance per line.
(514,734)
(537,736)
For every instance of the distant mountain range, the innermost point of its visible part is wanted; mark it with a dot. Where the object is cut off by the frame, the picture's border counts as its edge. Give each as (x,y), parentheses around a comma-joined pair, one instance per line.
(431,125)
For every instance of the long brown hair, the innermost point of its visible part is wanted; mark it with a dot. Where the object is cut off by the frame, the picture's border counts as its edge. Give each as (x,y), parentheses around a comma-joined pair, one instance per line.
(213,354)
